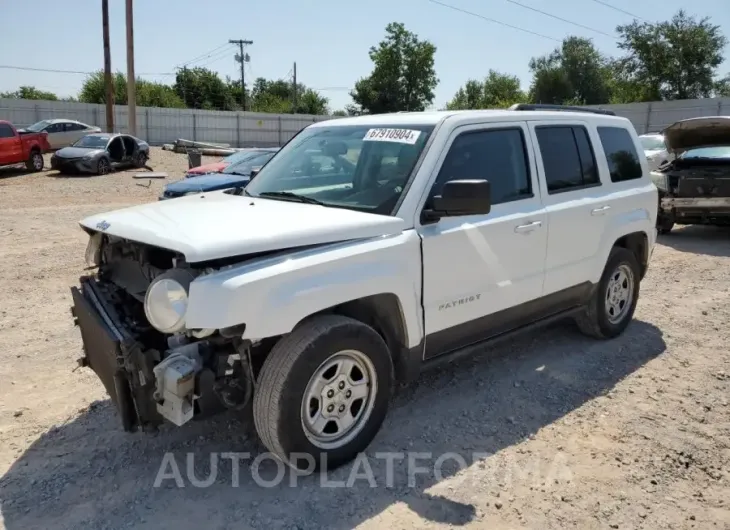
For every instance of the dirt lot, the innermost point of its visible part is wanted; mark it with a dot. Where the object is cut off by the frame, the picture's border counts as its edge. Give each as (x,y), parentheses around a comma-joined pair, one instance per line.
(555,430)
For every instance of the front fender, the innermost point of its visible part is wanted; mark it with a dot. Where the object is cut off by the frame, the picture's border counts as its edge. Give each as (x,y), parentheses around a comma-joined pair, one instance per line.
(270,296)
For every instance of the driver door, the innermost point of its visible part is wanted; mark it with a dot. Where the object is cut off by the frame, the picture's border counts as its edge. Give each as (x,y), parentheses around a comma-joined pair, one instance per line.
(482,271)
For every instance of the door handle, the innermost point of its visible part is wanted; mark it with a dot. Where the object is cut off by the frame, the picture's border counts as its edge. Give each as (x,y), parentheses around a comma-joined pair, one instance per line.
(529,227)
(601,210)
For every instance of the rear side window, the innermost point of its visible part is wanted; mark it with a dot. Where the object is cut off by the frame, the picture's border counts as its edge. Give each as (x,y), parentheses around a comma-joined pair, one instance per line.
(6,131)
(567,157)
(623,161)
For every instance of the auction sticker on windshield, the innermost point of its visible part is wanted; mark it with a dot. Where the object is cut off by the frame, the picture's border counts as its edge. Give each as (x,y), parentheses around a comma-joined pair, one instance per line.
(403,136)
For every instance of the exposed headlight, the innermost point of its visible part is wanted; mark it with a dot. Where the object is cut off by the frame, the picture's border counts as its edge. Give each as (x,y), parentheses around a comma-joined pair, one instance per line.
(93,250)
(166,300)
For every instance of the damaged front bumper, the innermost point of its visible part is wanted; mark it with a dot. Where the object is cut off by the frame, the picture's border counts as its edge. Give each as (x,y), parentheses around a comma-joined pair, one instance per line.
(122,364)
(696,209)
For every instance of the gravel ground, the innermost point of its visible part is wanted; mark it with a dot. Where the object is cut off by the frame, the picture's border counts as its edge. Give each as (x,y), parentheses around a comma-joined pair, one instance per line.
(548,431)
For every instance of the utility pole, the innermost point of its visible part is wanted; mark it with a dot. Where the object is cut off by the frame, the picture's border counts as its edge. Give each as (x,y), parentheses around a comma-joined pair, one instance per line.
(131,80)
(109,88)
(295,87)
(242,58)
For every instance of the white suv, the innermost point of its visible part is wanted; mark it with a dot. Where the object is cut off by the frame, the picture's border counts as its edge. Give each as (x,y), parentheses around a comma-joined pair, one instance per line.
(412,238)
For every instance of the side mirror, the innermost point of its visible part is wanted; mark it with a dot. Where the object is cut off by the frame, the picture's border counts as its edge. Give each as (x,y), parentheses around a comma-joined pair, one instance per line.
(462,197)
(255,171)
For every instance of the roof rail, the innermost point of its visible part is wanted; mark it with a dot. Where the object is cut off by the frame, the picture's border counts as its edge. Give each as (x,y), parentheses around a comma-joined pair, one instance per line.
(563,108)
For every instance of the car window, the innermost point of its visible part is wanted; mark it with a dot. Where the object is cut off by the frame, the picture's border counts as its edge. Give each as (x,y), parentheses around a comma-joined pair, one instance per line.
(54,128)
(38,126)
(567,157)
(623,161)
(361,167)
(496,155)
(6,131)
(707,152)
(244,167)
(73,127)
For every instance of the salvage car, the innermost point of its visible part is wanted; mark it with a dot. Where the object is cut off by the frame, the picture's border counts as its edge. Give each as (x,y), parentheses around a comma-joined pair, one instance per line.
(694,187)
(100,154)
(233,176)
(22,147)
(448,231)
(62,133)
(655,149)
(235,158)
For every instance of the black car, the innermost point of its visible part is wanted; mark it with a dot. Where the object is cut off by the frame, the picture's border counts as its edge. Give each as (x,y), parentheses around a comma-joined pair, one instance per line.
(100,154)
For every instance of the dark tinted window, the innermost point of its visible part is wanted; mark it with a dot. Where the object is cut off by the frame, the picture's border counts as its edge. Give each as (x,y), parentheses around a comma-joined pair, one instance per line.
(54,128)
(623,162)
(498,156)
(6,131)
(567,157)
(74,127)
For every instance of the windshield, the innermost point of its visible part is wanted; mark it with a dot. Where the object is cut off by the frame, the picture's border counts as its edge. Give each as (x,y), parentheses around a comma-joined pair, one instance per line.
(244,167)
(650,143)
(708,152)
(38,126)
(362,167)
(93,140)
(240,156)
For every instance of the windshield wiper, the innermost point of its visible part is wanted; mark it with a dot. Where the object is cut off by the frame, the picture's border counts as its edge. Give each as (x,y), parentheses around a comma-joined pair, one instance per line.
(290,195)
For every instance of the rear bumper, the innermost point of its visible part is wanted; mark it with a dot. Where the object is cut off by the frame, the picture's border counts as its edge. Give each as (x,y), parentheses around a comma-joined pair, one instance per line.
(120,362)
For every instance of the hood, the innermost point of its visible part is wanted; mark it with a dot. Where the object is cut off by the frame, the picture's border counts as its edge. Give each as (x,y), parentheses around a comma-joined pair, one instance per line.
(215,167)
(218,225)
(77,152)
(711,131)
(210,182)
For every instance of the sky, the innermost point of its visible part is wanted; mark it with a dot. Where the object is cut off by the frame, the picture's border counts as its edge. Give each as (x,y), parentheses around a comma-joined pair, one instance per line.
(328,39)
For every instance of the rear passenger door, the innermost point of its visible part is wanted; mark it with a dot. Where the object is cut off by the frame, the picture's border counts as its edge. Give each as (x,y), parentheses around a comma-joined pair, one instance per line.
(575,200)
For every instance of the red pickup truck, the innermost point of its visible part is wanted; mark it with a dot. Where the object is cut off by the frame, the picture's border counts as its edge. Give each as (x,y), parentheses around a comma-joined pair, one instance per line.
(18,147)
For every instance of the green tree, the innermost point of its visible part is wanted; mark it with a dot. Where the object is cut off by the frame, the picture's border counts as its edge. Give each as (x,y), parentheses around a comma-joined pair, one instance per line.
(722,87)
(403,76)
(148,94)
(497,91)
(278,96)
(29,92)
(339,112)
(200,88)
(574,73)
(676,59)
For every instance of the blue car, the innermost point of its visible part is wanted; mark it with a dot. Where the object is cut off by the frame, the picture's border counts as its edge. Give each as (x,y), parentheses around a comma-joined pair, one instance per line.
(234,176)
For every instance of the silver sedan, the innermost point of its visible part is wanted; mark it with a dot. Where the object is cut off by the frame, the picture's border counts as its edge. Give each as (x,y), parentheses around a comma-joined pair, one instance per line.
(62,133)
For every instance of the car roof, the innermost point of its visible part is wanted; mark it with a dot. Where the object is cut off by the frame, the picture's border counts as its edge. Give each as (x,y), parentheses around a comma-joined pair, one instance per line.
(436,117)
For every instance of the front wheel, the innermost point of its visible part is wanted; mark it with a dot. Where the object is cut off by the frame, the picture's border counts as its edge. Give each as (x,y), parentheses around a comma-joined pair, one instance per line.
(323,392)
(612,307)
(103,167)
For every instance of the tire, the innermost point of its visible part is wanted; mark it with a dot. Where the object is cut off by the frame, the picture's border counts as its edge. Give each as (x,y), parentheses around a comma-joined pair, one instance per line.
(303,357)
(664,225)
(597,320)
(35,162)
(103,167)
(140,160)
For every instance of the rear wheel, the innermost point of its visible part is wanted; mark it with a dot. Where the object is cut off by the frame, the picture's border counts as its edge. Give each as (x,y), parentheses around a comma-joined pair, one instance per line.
(612,307)
(103,167)
(35,162)
(323,392)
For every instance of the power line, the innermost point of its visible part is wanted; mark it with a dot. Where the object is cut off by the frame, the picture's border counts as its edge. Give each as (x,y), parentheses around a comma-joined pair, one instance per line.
(619,10)
(495,21)
(54,71)
(220,55)
(204,55)
(560,18)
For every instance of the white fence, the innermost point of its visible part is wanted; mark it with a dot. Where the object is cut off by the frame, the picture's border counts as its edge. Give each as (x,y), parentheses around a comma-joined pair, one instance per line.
(251,129)
(656,115)
(159,126)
